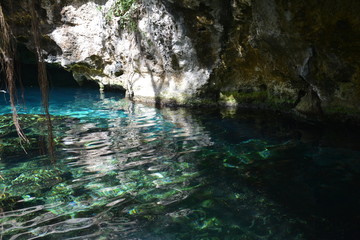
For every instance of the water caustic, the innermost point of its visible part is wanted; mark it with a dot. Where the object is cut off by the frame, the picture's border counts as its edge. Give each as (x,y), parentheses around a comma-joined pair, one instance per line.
(127,171)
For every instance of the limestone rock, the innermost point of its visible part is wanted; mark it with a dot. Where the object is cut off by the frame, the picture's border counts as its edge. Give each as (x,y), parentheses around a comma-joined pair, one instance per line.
(309,104)
(194,51)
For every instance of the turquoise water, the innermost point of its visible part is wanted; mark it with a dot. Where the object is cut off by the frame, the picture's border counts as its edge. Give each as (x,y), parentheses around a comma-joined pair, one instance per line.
(130,171)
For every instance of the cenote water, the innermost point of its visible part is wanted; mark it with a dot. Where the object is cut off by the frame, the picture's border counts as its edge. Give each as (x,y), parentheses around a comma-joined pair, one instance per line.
(128,171)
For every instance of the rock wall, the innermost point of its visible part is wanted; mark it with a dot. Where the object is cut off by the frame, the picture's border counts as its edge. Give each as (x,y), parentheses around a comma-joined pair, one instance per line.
(301,55)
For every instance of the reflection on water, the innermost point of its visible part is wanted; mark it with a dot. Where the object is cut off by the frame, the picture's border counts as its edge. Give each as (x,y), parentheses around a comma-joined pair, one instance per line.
(127,171)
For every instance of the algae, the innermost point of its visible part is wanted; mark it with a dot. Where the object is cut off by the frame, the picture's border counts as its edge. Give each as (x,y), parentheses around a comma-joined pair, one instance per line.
(34,130)
(86,69)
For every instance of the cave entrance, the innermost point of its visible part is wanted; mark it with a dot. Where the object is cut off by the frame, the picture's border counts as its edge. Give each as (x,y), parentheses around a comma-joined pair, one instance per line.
(27,74)
(27,71)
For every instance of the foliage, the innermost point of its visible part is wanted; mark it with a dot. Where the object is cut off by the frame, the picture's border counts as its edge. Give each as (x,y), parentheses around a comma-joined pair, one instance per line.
(127,11)
(122,7)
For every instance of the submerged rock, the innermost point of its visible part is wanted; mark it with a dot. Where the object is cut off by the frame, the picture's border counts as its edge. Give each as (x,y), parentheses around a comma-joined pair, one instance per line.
(33,181)
(34,127)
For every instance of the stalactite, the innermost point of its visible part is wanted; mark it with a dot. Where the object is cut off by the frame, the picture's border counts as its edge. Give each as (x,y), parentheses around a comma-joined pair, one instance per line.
(42,77)
(7,53)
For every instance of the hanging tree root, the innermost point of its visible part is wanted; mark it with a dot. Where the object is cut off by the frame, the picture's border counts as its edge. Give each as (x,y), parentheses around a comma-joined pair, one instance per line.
(42,78)
(7,53)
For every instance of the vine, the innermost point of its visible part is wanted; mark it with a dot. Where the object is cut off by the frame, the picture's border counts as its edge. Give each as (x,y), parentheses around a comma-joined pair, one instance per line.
(7,54)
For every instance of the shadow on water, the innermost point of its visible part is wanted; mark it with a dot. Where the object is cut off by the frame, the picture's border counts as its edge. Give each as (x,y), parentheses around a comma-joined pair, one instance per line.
(128,171)
(311,170)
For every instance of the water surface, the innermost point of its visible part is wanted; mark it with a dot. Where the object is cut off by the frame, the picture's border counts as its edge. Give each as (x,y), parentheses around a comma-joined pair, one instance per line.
(129,171)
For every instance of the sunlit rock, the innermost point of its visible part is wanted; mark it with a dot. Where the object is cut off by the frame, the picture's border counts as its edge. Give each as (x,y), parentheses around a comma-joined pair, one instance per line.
(238,53)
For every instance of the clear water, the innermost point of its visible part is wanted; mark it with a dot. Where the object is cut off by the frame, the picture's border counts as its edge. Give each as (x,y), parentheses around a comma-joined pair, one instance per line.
(129,171)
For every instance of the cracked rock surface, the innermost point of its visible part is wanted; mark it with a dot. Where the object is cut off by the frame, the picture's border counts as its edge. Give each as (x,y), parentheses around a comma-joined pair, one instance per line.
(301,55)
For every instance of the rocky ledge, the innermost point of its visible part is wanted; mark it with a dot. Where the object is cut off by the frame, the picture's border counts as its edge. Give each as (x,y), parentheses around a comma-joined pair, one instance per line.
(295,55)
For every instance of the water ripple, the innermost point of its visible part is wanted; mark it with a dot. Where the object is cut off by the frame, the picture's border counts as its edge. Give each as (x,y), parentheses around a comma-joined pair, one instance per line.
(127,171)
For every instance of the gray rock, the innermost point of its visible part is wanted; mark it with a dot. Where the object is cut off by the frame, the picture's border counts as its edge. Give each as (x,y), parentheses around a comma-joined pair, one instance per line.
(196,51)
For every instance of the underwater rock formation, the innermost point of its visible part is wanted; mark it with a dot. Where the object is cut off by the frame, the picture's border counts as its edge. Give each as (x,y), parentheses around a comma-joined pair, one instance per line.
(300,55)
